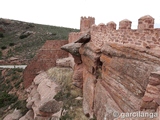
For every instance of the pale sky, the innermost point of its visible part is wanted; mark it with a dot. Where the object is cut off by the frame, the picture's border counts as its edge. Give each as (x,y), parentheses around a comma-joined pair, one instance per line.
(67,13)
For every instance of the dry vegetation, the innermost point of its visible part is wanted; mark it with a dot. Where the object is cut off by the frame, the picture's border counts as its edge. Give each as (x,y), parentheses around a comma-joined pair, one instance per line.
(68,94)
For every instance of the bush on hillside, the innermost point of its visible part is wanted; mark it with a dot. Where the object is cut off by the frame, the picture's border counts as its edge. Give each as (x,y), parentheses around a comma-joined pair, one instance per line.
(1,35)
(6,99)
(3,47)
(11,44)
(0,54)
(23,36)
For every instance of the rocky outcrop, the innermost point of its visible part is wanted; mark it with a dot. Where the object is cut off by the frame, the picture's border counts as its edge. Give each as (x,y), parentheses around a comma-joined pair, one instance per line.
(15,115)
(28,116)
(151,98)
(77,78)
(45,86)
(119,78)
(72,48)
(40,97)
(125,74)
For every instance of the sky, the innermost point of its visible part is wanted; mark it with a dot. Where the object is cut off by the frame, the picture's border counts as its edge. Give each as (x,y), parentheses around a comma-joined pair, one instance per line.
(67,13)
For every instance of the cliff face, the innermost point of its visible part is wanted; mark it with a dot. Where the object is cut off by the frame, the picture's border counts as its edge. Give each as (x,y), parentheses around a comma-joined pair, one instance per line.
(124,77)
(116,79)
(121,69)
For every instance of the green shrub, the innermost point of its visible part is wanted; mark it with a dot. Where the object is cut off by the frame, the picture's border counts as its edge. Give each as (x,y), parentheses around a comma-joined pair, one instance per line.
(1,35)
(11,44)
(14,77)
(31,25)
(18,69)
(17,84)
(3,47)
(23,36)
(0,54)
(21,104)
(7,99)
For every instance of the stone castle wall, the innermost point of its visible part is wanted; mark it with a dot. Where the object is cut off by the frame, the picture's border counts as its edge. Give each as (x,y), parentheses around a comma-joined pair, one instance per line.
(45,59)
(144,36)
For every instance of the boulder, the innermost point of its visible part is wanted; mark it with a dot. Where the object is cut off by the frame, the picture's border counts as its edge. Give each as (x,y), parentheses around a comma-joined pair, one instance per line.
(16,115)
(39,94)
(72,48)
(50,107)
(28,116)
(151,98)
(65,62)
(77,77)
(88,93)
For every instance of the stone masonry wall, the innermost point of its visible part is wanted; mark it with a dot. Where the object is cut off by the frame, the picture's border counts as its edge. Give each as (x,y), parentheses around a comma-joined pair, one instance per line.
(144,36)
(45,59)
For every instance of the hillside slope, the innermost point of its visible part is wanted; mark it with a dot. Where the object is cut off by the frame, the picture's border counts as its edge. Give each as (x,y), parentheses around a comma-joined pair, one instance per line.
(22,40)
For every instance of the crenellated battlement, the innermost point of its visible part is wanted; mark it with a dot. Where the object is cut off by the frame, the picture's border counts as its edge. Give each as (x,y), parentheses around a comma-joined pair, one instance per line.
(73,36)
(145,35)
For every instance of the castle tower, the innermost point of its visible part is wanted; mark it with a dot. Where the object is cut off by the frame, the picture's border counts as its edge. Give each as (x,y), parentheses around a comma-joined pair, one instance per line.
(86,23)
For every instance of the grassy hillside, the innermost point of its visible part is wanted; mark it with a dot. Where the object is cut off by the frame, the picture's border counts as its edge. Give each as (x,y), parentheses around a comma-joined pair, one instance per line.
(22,40)
(12,94)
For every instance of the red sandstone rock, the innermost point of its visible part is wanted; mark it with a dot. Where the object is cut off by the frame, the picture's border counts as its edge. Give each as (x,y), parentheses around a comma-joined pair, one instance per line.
(104,104)
(28,116)
(65,62)
(92,47)
(77,59)
(13,58)
(14,116)
(72,48)
(49,108)
(77,77)
(152,92)
(88,92)
(40,96)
